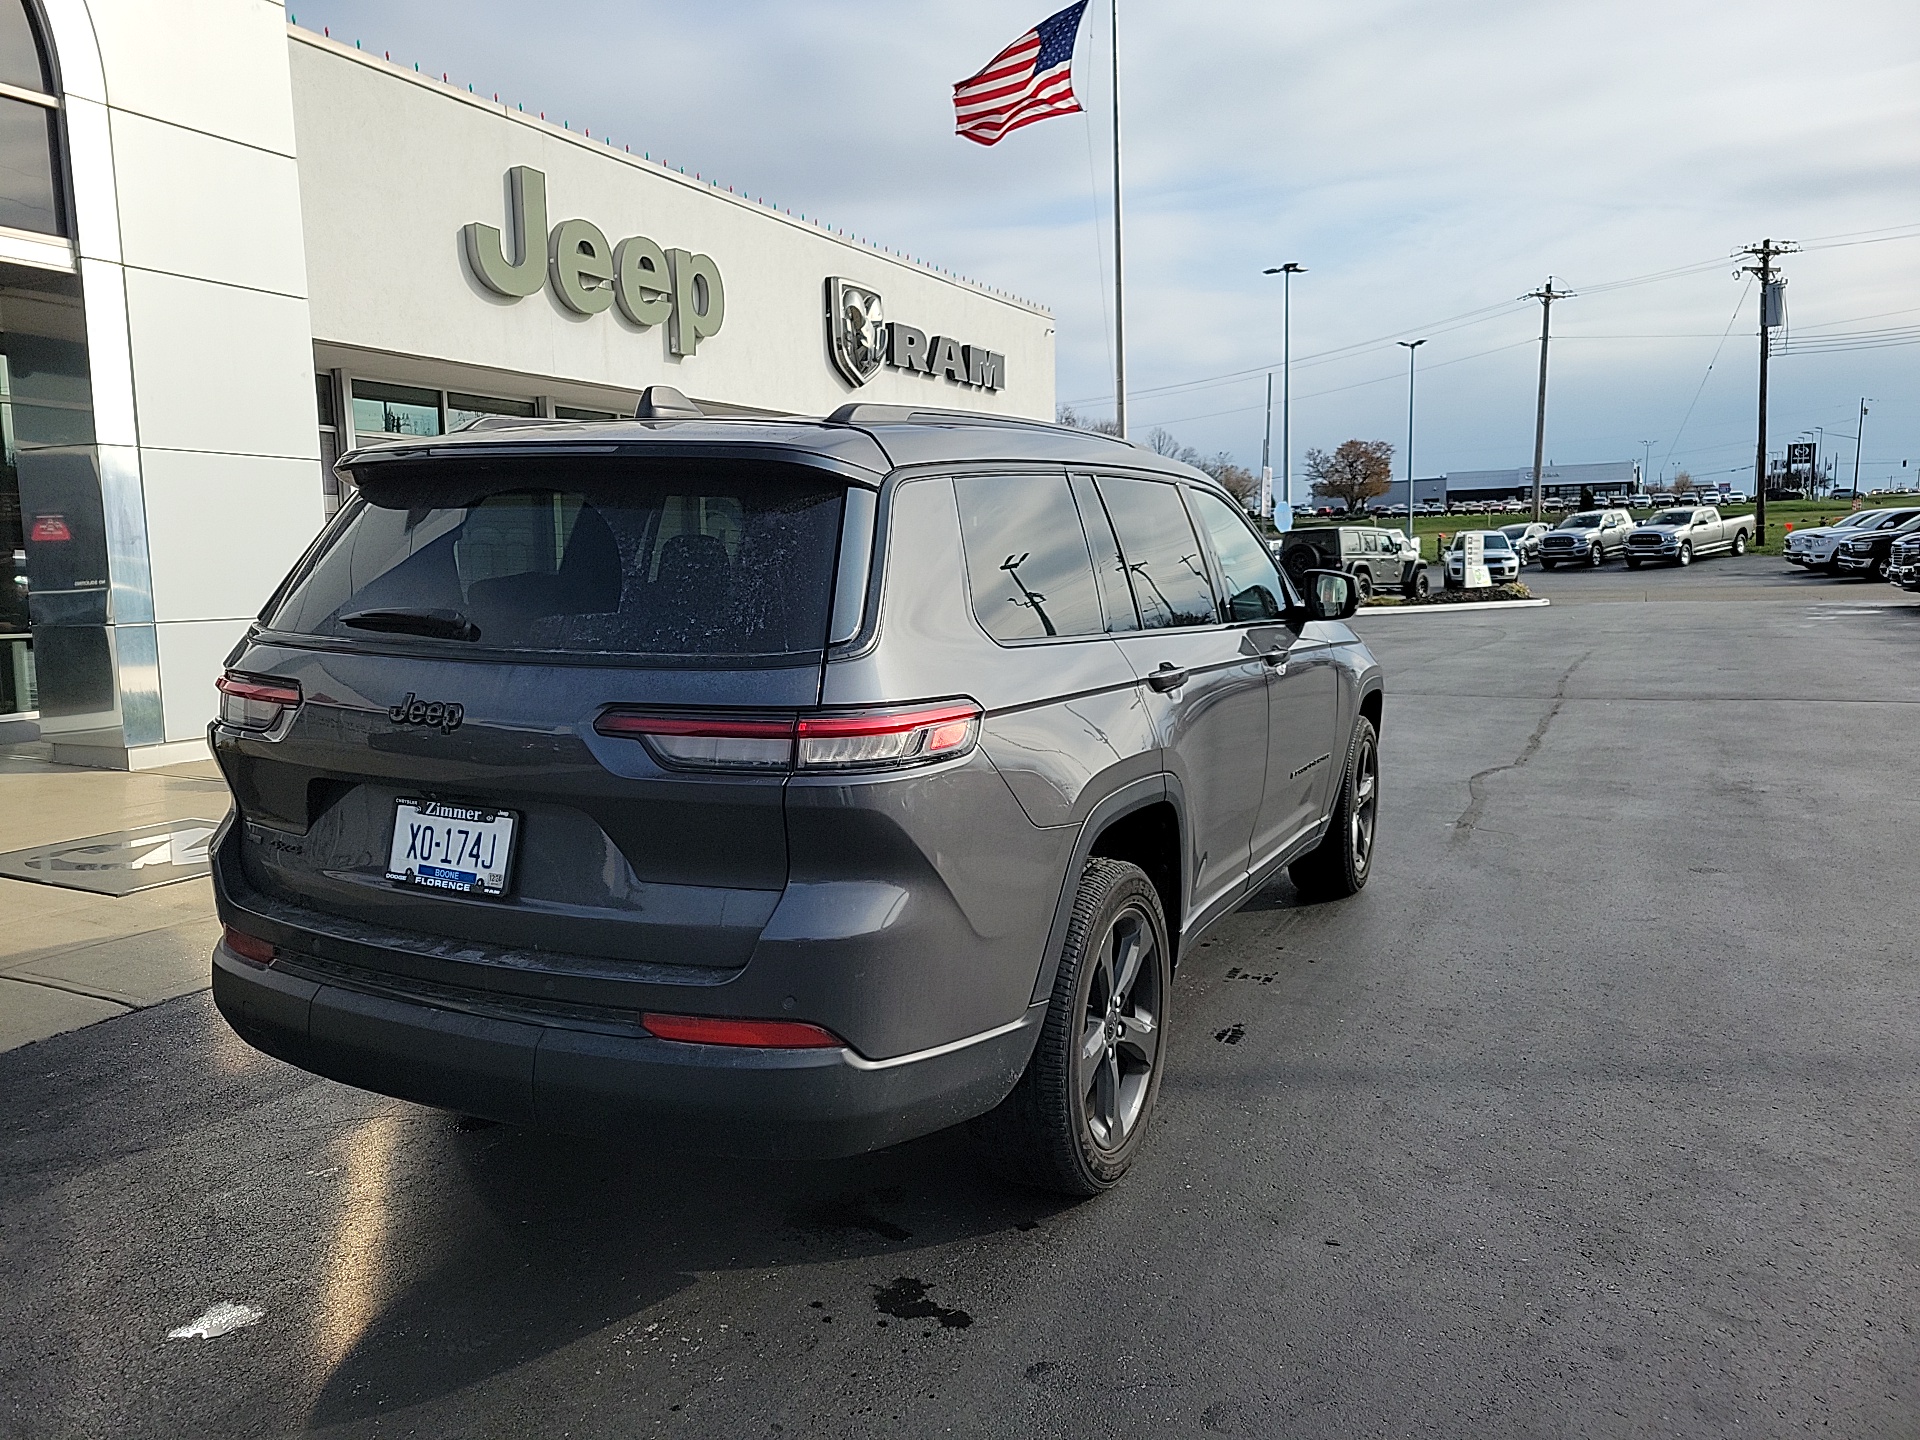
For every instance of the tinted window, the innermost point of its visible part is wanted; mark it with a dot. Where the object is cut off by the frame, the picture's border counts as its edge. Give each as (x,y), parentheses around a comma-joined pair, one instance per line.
(1027,558)
(1253,585)
(610,557)
(28,197)
(1161,553)
(1116,595)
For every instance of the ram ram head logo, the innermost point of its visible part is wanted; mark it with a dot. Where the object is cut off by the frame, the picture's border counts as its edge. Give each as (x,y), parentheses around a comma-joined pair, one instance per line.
(856,329)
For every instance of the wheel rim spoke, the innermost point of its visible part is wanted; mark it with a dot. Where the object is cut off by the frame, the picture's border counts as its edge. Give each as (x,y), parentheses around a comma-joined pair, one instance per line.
(1120,1034)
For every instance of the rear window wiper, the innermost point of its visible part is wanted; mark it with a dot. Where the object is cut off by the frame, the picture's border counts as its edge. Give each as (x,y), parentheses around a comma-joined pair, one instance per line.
(436,624)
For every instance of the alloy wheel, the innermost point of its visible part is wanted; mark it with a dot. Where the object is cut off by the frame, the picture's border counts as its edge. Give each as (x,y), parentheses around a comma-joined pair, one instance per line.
(1120,1033)
(1366,799)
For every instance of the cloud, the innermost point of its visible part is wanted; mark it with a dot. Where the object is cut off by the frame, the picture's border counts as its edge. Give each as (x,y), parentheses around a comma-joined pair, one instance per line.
(1423,159)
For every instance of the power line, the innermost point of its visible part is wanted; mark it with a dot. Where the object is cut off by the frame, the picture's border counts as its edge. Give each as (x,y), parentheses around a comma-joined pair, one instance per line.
(1732,320)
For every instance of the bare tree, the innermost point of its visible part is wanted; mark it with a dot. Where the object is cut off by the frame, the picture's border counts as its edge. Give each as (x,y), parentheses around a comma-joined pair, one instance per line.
(1355,472)
(1067,415)
(1237,480)
(1162,442)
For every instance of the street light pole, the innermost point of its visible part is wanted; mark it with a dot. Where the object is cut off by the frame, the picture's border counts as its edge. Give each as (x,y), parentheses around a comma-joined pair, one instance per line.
(1286,273)
(1646,459)
(1411,346)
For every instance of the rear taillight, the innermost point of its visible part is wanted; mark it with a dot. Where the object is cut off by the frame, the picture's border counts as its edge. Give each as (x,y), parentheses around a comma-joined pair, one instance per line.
(901,737)
(852,740)
(247,703)
(50,530)
(759,1034)
(250,948)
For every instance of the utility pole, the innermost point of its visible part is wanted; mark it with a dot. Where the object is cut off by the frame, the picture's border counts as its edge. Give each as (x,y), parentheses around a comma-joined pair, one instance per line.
(1646,459)
(1859,432)
(1771,303)
(1546,296)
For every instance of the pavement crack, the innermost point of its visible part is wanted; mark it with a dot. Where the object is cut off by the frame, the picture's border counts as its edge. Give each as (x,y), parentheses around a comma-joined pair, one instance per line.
(1476,791)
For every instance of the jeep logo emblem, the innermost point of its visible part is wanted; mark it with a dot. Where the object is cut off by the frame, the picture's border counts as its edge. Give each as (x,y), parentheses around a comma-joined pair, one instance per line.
(438,714)
(589,274)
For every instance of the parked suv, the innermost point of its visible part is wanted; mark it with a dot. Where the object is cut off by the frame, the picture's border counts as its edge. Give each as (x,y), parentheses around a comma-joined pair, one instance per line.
(776,786)
(1587,537)
(1381,561)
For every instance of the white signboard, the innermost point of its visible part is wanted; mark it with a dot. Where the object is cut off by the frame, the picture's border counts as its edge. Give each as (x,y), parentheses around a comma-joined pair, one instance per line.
(1475,562)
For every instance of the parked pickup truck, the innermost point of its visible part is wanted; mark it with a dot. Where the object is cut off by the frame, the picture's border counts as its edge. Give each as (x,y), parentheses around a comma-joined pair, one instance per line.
(1688,533)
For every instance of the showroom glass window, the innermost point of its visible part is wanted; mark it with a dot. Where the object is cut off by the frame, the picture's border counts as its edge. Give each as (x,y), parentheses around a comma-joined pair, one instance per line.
(29,129)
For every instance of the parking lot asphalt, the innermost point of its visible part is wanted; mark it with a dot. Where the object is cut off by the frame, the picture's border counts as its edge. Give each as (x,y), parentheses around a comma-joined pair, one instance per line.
(1592,1115)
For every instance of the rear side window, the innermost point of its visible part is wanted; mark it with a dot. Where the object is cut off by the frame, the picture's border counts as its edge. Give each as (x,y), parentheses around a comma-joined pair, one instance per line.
(1161,553)
(1252,582)
(1027,559)
(730,560)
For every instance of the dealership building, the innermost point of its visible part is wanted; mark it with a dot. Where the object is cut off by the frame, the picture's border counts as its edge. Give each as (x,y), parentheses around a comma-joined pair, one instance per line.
(231,249)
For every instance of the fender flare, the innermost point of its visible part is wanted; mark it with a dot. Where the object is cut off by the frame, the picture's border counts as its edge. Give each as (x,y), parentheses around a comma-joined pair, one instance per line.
(1135,795)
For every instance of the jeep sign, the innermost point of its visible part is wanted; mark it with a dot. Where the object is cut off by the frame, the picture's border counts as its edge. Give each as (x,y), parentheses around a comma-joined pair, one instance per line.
(650,285)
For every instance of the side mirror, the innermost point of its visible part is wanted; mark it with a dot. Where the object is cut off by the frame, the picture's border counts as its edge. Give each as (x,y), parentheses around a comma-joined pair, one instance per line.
(1331,595)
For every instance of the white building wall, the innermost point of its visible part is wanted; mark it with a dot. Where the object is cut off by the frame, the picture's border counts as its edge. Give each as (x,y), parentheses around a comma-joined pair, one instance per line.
(394,164)
(187,202)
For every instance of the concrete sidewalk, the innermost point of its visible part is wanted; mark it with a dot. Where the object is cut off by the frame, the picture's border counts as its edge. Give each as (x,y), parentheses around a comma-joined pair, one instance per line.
(68,957)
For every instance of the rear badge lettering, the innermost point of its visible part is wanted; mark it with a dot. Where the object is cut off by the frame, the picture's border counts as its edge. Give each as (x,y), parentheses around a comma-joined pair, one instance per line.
(440,715)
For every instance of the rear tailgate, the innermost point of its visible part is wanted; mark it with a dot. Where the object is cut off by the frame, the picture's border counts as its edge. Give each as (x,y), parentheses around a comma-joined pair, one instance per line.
(457,651)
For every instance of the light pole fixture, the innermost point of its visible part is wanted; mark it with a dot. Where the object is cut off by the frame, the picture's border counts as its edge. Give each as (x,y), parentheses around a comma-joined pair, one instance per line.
(1411,346)
(1286,273)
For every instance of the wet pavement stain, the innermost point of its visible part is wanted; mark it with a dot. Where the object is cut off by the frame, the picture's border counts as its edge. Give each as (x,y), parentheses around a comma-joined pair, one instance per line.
(1231,1035)
(1234,972)
(906,1299)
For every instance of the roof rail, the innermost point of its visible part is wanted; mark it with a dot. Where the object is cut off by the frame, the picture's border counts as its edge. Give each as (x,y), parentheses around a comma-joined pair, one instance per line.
(864,413)
(503,422)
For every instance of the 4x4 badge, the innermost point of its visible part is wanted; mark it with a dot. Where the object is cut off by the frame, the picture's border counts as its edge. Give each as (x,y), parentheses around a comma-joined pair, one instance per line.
(439,714)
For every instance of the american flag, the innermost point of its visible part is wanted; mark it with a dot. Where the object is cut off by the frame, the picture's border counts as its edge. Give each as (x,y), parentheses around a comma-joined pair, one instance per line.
(1032,79)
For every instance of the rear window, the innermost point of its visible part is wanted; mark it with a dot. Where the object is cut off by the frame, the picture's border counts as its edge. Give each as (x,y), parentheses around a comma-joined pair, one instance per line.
(1027,559)
(730,560)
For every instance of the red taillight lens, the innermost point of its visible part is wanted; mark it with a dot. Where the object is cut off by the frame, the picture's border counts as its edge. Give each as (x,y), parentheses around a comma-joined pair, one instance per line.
(707,742)
(50,530)
(250,948)
(250,704)
(759,1034)
(901,737)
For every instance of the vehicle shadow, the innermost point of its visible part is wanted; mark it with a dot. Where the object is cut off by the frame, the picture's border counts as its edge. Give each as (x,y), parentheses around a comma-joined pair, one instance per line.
(536,1241)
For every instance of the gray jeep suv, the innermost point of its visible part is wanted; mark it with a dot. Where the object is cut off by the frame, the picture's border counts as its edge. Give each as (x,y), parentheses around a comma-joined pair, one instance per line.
(776,786)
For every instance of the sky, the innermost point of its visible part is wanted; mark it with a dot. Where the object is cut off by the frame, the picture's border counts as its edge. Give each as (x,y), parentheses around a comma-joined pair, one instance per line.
(1429,163)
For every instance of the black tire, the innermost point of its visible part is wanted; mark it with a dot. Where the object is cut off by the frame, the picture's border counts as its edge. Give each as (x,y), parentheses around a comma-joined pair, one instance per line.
(1419,587)
(1075,1121)
(1632,564)
(1686,553)
(1340,864)
(1597,556)
(1363,579)
(1739,542)
(1880,567)
(1548,564)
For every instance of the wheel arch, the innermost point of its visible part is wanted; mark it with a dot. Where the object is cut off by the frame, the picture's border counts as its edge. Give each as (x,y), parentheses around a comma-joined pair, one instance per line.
(1143,824)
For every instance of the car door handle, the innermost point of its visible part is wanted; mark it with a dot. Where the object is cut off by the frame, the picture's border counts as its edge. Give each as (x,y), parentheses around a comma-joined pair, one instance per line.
(1167,677)
(1276,661)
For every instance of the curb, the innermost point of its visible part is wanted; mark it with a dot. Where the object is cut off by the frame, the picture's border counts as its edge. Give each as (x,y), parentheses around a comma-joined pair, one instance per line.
(1469,606)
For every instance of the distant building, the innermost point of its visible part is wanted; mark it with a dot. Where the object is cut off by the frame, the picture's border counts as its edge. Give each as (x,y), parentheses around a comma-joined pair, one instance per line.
(1606,478)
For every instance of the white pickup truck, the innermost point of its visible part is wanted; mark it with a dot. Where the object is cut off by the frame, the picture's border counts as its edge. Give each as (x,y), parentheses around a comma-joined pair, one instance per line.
(1687,533)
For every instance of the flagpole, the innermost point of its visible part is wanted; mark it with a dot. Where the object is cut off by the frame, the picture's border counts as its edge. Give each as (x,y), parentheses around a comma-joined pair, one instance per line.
(1119,284)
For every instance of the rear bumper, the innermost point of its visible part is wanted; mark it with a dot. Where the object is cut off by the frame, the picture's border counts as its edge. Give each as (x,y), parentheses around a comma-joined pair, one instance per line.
(606,1080)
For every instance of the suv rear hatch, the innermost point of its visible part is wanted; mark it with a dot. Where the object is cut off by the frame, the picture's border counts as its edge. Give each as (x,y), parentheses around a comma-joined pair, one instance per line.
(453,642)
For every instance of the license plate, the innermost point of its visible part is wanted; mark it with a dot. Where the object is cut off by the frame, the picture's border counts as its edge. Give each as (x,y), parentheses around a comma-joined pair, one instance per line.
(449,847)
